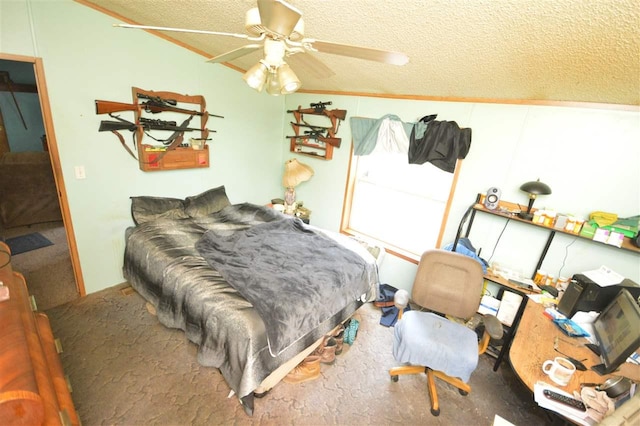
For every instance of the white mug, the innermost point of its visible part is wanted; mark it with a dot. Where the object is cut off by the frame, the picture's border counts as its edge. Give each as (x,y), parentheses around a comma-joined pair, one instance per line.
(559,370)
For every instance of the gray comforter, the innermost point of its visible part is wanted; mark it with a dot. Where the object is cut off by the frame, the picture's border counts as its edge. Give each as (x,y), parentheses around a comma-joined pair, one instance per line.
(163,265)
(295,277)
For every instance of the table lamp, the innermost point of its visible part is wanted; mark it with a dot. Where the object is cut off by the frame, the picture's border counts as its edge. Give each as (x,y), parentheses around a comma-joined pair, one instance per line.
(294,174)
(533,188)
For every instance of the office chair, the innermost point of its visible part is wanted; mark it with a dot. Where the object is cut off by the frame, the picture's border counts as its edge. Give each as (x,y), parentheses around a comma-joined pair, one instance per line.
(451,284)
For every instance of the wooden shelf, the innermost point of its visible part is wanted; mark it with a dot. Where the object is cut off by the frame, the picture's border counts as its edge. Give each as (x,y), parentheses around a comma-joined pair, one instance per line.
(304,146)
(505,208)
(179,158)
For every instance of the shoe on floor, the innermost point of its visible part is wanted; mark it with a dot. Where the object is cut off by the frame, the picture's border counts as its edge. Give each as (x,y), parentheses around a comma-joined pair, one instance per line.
(308,369)
(327,350)
(339,336)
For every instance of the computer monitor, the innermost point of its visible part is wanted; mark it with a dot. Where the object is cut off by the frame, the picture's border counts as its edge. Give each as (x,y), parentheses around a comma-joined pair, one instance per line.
(617,330)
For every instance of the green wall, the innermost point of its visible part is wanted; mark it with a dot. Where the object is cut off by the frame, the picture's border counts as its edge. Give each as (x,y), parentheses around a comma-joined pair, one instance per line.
(84,59)
(589,157)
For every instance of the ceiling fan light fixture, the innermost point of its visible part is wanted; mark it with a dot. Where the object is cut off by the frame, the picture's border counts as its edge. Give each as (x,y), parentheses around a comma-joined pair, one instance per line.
(256,76)
(277,27)
(273,84)
(288,80)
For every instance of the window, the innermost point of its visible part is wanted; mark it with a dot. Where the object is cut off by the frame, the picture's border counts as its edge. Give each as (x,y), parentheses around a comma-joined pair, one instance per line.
(401,205)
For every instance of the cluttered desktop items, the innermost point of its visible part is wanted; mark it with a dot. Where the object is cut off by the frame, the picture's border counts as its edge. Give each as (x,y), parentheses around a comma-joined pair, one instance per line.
(584,294)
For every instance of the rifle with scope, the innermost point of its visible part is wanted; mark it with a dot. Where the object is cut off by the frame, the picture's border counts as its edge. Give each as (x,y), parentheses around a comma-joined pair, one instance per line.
(317,133)
(146,124)
(153,104)
(318,137)
(320,108)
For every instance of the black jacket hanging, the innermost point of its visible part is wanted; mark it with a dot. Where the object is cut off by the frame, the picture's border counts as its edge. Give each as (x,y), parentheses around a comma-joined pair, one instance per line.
(442,144)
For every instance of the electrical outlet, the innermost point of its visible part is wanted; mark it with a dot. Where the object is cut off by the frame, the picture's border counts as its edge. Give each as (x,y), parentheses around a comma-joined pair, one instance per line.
(80,172)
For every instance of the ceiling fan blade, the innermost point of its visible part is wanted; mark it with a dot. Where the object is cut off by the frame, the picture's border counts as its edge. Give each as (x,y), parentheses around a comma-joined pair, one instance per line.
(236,53)
(182,30)
(279,17)
(367,53)
(310,64)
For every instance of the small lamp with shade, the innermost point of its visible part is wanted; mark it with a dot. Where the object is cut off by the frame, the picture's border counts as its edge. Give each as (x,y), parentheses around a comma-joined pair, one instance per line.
(295,173)
(533,188)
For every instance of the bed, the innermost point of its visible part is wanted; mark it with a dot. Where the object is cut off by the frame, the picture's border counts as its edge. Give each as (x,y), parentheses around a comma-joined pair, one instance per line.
(28,193)
(255,289)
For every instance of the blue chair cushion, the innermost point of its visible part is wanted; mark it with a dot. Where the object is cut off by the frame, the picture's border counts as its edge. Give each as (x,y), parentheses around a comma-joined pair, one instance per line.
(424,338)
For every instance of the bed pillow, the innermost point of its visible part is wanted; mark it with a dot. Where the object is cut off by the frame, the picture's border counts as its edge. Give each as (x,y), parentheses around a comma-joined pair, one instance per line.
(208,202)
(145,209)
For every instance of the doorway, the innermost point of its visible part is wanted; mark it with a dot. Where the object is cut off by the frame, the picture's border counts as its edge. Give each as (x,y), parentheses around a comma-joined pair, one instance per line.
(52,272)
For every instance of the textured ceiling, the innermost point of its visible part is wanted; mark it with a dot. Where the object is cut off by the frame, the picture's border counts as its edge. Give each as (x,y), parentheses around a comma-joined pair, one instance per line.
(543,50)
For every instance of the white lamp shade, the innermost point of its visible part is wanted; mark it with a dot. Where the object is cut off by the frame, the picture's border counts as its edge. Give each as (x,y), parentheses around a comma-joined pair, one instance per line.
(295,172)
(256,77)
(289,81)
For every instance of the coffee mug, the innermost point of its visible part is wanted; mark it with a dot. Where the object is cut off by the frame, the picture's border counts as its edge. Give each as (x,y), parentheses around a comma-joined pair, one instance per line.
(559,370)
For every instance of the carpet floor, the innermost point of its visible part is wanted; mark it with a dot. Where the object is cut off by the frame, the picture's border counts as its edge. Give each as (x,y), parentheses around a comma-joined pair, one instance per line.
(48,270)
(128,369)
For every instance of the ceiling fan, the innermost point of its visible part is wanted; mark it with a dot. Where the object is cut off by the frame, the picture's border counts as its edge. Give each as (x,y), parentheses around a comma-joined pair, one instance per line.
(277,27)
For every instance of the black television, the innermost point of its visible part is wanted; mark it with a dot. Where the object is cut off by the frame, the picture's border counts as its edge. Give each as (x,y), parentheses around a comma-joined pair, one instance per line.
(617,331)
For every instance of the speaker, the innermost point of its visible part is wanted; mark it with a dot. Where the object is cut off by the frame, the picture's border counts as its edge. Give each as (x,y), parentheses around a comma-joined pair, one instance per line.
(492,199)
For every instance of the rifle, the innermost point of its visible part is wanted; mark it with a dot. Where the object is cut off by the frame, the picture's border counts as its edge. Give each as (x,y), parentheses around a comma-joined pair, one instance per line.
(316,133)
(154,105)
(311,135)
(320,108)
(311,126)
(146,124)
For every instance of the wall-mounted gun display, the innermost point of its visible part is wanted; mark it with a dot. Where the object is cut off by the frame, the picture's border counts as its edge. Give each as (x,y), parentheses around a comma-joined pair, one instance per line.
(162,153)
(313,139)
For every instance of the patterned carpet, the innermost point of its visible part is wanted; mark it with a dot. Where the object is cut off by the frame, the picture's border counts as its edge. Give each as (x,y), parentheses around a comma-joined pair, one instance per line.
(48,270)
(127,369)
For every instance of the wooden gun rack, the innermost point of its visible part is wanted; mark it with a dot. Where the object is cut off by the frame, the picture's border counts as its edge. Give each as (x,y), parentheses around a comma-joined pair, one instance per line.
(155,159)
(305,144)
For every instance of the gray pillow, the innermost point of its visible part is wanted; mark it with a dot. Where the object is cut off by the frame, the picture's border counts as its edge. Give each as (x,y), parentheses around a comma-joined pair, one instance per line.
(208,202)
(145,209)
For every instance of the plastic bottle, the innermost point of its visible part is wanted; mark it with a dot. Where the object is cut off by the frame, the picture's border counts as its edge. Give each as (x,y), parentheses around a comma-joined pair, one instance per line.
(536,216)
(571,224)
(550,218)
(541,277)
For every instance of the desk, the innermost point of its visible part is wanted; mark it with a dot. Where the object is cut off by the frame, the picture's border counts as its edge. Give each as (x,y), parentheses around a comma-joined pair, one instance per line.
(509,332)
(533,345)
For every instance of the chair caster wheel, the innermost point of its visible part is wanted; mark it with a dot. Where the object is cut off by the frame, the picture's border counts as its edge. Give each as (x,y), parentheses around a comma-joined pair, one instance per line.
(394,378)
(463,393)
(436,413)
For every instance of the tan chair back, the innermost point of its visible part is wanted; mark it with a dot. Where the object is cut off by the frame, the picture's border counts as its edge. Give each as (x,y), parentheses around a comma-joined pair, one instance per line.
(449,283)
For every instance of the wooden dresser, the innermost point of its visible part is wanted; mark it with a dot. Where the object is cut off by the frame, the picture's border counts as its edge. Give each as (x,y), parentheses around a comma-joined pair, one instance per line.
(33,388)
